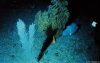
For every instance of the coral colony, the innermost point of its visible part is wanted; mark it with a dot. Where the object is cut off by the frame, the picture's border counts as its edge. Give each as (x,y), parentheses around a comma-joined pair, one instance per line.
(26,38)
(43,19)
(54,18)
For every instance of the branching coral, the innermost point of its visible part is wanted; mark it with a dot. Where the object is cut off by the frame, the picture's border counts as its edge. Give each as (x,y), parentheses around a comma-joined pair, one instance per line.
(26,38)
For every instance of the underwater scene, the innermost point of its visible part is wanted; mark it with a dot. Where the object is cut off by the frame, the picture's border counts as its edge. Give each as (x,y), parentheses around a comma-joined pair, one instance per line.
(49,31)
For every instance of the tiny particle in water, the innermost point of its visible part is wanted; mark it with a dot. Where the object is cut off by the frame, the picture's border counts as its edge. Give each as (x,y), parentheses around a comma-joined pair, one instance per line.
(94,24)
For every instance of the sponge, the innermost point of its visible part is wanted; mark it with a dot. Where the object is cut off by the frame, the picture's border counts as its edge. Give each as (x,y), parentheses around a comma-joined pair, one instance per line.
(71,29)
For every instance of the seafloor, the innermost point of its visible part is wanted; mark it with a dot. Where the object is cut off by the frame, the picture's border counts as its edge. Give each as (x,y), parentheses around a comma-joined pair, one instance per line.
(76,48)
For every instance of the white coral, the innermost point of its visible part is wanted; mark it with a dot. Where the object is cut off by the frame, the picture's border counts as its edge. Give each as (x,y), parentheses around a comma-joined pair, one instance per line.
(22,33)
(27,40)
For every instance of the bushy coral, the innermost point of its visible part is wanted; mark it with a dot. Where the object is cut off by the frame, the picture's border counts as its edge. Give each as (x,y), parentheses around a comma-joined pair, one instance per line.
(42,20)
(56,16)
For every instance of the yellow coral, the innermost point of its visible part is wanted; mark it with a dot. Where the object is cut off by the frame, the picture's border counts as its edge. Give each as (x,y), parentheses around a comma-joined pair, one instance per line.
(54,40)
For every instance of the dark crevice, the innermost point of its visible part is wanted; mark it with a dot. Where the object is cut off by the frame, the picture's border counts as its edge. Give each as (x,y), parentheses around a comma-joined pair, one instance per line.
(50,33)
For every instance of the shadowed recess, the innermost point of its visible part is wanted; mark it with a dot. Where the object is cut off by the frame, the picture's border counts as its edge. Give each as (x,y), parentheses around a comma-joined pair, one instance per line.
(50,33)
